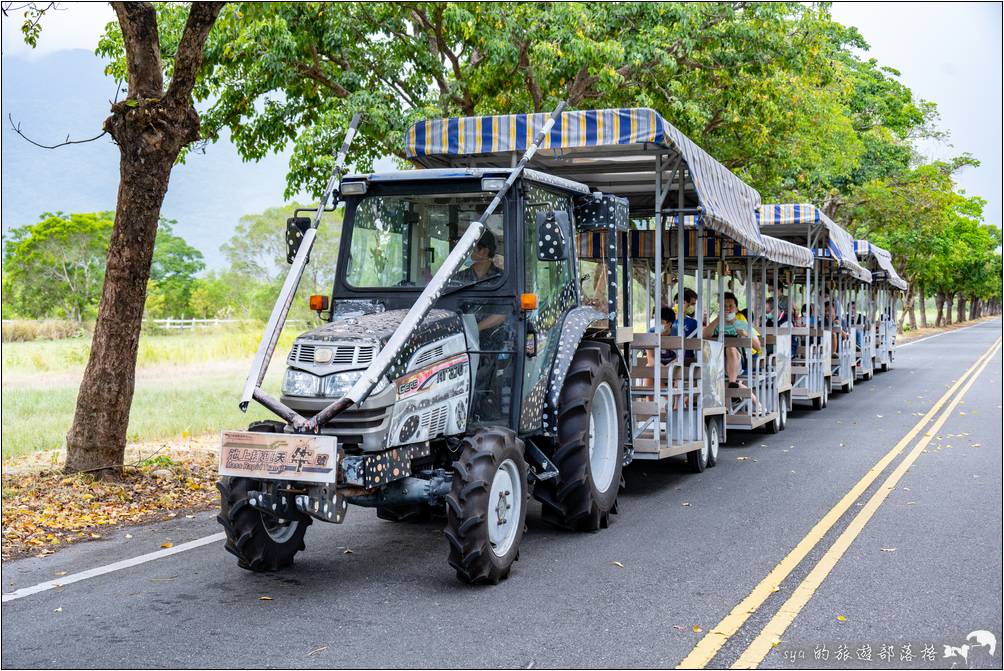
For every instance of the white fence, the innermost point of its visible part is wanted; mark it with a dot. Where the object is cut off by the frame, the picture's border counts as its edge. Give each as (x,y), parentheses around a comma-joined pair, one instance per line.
(191,324)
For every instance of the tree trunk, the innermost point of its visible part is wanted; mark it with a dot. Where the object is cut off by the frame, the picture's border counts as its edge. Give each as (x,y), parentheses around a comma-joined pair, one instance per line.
(939,303)
(960,310)
(974,308)
(150,128)
(949,299)
(907,310)
(923,306)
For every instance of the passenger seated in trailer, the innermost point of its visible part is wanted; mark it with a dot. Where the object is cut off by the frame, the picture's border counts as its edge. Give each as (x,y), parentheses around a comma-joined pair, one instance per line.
(782,314)
(756,336)
(732,326)
(855,320)
(670,326)
(689,309)
(831,321)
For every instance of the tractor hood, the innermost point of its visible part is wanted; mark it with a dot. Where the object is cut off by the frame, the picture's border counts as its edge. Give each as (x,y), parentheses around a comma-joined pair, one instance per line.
(377,328)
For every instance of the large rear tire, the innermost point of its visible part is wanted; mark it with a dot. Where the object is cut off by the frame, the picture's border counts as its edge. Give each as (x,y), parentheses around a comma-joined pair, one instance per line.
(592,421)
(259,541)
(486,506)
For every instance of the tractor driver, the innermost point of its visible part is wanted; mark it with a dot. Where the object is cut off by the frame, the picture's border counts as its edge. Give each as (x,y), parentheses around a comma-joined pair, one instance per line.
(493,330)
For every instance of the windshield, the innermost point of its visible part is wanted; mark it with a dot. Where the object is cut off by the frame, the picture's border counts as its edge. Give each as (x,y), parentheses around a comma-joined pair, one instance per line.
(402,240)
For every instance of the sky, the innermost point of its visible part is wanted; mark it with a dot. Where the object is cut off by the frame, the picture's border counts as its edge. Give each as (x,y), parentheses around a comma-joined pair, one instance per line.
(948,53)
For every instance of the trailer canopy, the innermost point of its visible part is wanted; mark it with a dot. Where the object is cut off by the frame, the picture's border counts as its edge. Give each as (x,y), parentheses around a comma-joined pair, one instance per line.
(883,260)
(800,220)
(611,150)
(774,249)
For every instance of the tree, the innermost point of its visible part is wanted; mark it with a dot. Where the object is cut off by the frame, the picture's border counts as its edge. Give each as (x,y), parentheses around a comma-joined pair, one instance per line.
(55,268)
(758,85)
(151,127)
(173,272)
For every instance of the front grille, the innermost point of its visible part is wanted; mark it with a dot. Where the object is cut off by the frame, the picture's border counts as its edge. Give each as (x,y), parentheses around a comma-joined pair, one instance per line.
(302,353)
(342,355)
(428,355)
(435,420)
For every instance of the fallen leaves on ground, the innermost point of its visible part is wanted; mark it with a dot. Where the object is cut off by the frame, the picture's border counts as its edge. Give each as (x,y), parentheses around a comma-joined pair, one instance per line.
(842,618)
(43,511)
(617,564)
(264,598)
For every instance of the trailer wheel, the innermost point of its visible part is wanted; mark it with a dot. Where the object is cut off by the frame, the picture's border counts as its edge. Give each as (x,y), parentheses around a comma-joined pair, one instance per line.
(819,403)
(589,454)
(782,409)
(826,392)
(711,438)
(259,541)
(486,506)
(774,425)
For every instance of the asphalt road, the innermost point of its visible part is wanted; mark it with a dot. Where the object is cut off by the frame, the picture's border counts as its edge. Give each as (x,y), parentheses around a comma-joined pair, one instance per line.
(371,593)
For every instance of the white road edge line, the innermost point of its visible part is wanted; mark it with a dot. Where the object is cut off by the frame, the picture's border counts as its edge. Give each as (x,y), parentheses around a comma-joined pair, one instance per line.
(109,568)
(938,335)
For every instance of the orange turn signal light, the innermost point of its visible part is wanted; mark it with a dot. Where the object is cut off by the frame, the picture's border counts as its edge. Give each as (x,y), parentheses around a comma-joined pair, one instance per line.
(528,302)
(318,303)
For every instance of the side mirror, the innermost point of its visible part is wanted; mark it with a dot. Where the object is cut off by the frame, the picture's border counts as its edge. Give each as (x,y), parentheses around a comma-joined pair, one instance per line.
(552,239)
(295,228)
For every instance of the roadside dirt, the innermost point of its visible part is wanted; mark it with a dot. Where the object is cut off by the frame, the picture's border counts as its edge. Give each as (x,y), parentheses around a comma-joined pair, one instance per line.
(924,332)
(44,509)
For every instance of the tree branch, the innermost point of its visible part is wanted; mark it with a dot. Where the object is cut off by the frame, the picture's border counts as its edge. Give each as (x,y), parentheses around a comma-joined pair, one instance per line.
(16,127)
(140,37)
(531,81)
(201,18)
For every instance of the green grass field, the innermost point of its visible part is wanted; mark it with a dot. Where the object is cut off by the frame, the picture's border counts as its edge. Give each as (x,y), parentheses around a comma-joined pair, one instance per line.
(185,384)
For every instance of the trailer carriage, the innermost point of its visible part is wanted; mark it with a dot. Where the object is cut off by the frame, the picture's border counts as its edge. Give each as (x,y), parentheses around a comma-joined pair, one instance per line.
(825,355)
(881,301)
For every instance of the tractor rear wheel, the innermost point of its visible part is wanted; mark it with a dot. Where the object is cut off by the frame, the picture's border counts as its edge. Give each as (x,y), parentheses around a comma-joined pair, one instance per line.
(486,506)
(589,451)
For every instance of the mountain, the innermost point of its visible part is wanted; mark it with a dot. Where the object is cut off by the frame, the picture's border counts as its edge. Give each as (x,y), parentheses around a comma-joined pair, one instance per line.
(67,93)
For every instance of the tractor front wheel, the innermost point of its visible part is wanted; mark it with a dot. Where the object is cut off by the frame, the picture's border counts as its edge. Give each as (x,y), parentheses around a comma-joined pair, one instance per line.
(486,506)
(260,542)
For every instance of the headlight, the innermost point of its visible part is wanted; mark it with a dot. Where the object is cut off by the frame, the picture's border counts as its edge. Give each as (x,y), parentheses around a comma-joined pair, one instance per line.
(300,383)
(337,385)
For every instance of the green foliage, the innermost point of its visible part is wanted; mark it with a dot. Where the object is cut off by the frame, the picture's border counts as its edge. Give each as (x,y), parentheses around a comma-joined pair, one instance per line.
(172,274)
(759,85)
(778,92)
(55,268)
(935,233)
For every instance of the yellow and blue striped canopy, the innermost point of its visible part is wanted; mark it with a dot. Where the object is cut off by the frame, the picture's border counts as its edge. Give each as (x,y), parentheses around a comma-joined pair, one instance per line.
(612,150)
(839,243)
(883,260)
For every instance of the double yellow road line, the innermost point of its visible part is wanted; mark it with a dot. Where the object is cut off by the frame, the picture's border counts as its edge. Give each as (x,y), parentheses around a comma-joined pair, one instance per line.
(770,635)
